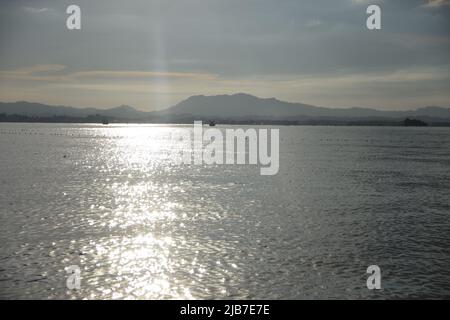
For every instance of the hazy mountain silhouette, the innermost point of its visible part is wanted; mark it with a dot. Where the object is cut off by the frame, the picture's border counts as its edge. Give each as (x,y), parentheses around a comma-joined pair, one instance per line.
(42,110)
(226,107)
(239,105)
(248,106)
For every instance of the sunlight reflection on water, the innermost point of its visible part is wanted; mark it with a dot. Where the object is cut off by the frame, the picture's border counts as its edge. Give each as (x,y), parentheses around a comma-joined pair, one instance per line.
(113,201)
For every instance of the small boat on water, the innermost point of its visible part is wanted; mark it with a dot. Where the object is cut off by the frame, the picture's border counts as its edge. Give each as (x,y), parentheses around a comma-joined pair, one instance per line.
(105,122)
(414,123)
(212,123)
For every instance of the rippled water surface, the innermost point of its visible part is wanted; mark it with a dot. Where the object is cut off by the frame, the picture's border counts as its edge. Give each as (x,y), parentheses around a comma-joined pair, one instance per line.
(110,200)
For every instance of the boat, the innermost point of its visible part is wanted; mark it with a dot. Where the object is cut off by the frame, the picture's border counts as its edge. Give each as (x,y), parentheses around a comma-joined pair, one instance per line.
(414,123)
(212,123)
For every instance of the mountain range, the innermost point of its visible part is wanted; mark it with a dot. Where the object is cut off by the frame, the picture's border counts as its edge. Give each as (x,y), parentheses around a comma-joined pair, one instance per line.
(233,108)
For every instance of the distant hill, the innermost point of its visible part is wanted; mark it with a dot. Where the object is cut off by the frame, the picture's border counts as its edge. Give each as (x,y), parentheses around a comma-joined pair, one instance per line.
(233,108)
(42,110)
(246,106)
(239,106)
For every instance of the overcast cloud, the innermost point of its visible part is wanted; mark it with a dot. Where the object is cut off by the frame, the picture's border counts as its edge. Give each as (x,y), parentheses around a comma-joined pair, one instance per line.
(152,54)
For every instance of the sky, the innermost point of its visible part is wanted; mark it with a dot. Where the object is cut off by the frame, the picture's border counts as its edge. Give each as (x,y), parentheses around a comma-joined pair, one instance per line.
(152,54)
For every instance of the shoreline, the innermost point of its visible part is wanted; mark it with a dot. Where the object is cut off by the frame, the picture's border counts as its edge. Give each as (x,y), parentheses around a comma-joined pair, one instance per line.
(247,123)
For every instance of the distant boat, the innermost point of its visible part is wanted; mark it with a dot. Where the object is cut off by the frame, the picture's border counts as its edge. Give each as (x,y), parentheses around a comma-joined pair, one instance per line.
(105,122)
(414,123)
(212,124)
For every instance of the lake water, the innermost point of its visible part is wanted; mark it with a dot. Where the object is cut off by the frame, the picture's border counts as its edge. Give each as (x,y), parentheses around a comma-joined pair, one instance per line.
(109,200)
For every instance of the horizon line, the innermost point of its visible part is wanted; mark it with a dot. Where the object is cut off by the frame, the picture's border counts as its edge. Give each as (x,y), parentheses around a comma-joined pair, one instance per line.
(229,95)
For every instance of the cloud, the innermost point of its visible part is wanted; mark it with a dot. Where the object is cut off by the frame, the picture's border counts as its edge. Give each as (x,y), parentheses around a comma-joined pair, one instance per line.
(37,72)
(107,74)
(162,89)
(436,3)
(137,50)
(40,68)
(367,2)
(314,23)
(51,72)
(35,10)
